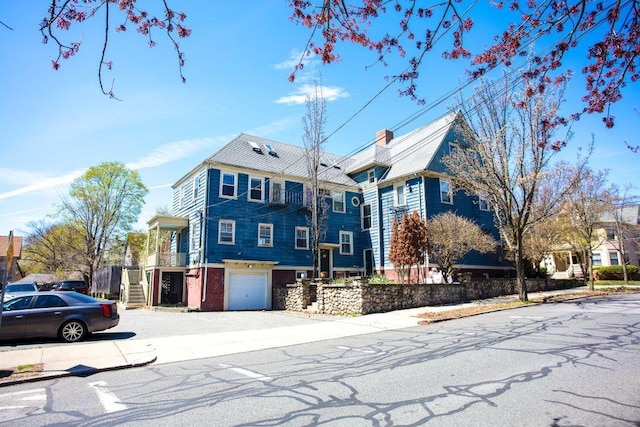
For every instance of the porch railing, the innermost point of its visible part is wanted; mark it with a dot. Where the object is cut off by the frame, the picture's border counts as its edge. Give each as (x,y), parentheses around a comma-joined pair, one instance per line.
(167,259)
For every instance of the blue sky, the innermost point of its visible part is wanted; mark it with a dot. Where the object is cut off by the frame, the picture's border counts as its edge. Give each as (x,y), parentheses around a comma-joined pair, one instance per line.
(56,124)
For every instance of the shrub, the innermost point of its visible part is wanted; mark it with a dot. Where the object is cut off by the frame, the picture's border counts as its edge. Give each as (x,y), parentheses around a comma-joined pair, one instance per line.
(613,272)
(378,279)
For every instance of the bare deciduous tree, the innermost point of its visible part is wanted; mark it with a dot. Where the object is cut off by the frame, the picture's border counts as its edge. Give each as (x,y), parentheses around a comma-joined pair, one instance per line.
(509,128)
(583,212)
(314,139)
(451,237)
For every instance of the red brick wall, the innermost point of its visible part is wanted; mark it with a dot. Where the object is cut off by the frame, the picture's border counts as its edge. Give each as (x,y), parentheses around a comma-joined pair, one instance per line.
(214,298)
(194,280)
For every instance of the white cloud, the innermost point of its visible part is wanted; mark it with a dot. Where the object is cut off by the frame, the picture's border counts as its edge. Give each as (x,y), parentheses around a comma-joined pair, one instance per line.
(159,187)
(40,184)
(294,58)
(171,152)
(160,156)
(329,93)
(275,127)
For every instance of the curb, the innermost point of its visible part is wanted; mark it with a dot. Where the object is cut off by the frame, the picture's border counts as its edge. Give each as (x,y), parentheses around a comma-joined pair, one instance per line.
(83,372)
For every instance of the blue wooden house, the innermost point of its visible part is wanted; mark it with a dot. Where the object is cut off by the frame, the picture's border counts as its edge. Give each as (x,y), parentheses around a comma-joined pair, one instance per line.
(240,222)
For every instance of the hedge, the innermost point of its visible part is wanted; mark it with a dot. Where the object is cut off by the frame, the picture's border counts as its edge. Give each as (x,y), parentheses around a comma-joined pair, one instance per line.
(613,272)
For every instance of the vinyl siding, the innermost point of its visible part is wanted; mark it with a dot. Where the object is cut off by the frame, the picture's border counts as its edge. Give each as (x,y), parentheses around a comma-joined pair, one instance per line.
(285,218)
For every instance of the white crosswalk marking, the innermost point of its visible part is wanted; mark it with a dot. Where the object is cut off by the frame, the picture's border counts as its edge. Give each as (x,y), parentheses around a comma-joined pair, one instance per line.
(109,401)
(14,404)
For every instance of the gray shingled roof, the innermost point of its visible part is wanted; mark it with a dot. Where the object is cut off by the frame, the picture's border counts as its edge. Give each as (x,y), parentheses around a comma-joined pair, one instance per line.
(371,156)
(413,152)
(288,160)
(628,214)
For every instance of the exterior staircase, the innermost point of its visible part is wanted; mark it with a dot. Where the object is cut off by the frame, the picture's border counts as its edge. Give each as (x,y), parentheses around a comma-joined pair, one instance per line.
(136,296)
(131,290)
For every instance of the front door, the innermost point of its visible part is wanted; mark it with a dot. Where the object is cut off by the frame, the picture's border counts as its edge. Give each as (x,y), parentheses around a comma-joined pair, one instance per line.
(368,262)
(171,288)
(325,263)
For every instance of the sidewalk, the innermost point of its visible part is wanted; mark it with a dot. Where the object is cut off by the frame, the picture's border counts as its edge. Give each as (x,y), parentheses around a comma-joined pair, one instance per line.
(91,357)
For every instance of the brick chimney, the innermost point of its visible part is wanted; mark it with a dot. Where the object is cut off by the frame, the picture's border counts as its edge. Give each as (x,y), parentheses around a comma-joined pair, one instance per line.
(383,137)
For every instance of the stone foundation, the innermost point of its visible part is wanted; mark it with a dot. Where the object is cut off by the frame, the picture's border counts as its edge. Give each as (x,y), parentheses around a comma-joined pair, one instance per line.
(359,297)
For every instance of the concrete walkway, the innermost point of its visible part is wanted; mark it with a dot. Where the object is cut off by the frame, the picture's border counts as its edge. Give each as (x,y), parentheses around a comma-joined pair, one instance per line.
(90,357)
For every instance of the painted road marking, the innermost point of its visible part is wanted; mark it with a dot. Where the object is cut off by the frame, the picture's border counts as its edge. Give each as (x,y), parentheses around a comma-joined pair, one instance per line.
(442,331)
(527,317)
(19,404)
(246,373)
(109,401)
(17,397)
(341,347)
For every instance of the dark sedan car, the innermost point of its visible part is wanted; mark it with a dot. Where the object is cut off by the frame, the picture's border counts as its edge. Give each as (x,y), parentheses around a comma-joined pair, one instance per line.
(69,316)
(73,285)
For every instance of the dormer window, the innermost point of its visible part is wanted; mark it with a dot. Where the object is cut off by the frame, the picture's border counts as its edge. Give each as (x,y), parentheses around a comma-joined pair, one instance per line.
(371,176)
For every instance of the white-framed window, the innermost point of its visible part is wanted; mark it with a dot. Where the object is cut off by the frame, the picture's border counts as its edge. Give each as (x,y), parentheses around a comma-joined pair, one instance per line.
(183,196)
(195,238)
(256,186)
(611,234)
(277,191)
(228,185)
(226,232)
(346,243)
(613,258)
(445,192)
(196,187)
(398,195)
(483,203)
(366,216)
(338,201)
(302,237)
(371,176)
(323,192)
(265,234)
(596,259)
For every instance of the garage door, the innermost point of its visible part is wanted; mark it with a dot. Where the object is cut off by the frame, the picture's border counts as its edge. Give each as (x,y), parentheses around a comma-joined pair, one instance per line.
(247,291)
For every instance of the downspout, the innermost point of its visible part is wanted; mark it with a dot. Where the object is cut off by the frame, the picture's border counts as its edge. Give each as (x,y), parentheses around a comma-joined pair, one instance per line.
(423,214)
(203,234)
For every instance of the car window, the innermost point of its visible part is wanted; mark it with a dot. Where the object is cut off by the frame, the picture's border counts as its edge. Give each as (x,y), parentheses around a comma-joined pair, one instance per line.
(45,301)
(21,287)
(81,298)
(20,303)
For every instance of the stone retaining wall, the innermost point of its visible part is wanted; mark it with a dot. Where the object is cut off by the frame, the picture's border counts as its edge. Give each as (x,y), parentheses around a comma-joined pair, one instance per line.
(359,297)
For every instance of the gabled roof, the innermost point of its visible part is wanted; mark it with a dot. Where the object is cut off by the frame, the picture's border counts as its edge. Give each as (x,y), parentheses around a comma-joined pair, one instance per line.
(374,155)
(413,152)
(17,246)
(263,155)
(629,214)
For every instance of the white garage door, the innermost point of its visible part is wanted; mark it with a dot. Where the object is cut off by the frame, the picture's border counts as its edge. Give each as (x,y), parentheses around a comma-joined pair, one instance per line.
(247,291)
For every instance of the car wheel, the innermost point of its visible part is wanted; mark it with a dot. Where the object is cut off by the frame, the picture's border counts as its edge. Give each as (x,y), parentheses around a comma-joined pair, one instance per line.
(73,331)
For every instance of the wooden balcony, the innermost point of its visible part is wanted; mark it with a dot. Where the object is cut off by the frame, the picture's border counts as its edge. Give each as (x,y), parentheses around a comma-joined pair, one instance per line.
(167,259)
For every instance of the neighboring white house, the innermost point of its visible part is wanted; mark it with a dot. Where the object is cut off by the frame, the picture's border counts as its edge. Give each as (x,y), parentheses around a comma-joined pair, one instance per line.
(565,262)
